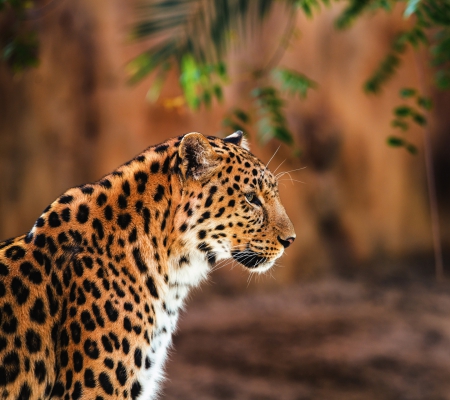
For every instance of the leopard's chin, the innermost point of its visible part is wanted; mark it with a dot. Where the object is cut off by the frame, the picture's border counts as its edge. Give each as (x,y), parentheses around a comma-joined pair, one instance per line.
(252,260)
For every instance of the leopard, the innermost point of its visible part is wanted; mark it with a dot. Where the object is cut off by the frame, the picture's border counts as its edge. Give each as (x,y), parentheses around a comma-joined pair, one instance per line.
(90,297)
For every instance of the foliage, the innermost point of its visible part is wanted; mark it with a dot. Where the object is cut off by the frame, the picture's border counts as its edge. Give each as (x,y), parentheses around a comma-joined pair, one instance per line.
(293,82)
(201,63)
(177,22)
(236,120)
(431,28)
(195,36)
(18,44)
(405,114)
(272,122)
(200,29)
(201,82)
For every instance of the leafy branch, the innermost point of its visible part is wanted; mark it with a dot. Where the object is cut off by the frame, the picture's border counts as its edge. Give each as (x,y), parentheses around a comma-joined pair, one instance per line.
(195,36)
(405,114)
(201,62)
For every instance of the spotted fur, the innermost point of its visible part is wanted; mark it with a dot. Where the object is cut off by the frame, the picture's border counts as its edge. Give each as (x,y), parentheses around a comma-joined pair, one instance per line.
(89,297)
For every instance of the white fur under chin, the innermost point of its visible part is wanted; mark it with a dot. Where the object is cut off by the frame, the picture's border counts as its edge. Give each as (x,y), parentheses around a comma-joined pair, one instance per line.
(180,282)
(260,269)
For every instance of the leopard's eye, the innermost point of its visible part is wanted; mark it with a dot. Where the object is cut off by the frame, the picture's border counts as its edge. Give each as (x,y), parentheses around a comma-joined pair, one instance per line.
(252,199)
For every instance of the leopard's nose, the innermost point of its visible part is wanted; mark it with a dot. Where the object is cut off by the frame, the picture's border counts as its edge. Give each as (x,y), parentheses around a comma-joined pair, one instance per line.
(286,242)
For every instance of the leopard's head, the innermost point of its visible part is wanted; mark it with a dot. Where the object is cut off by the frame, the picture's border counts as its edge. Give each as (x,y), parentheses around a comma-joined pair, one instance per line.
(232,202)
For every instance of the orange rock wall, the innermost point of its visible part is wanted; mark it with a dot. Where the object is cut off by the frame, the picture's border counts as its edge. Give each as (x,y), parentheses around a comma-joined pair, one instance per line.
(74,119)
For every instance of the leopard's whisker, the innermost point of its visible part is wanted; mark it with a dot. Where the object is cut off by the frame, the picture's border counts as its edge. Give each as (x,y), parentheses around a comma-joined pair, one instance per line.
(276,169)
(267,165)
(291,180)
(280,174)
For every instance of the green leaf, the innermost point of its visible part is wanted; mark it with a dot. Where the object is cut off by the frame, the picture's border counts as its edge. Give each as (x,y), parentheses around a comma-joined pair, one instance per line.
(395,141)
(263,92)
(199,82)
(8,51)
(227,121)
(217,89)
(22,52)
(425,102)
(383,4)
(207,98)
(443,79)
(234,126)
(421,36)
(407,93)
(189,78)
(222,70)
(396,123)
(411,8)
(419,119)
(242,115)
(146,62)
(411,148)
(272,122)
(403,111)
(282,133)
(354,10)
(384,72)
(293,82)
(307,6)
(297,152)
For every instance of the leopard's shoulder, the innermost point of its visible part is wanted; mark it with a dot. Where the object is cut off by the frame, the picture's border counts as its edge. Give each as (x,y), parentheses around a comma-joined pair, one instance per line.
(90,296)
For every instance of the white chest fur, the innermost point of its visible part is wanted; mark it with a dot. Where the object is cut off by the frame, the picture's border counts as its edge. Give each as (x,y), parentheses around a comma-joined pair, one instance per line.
(167,309)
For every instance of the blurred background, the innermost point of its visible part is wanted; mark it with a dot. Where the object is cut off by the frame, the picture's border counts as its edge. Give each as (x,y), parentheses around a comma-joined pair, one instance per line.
(353,311)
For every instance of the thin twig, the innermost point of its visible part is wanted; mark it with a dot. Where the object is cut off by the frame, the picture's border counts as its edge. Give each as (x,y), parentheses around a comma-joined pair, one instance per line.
(435,228)
(284,43)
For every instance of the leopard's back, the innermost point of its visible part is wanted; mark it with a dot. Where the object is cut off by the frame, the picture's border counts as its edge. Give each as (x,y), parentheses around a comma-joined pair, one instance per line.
(90,297)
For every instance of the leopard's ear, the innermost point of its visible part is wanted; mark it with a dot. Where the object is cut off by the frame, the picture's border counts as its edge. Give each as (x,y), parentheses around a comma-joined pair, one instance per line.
(238,139)
(198,158)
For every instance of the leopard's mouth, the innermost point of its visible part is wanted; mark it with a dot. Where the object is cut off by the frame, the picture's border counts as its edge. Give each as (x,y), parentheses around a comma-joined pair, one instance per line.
(249,258)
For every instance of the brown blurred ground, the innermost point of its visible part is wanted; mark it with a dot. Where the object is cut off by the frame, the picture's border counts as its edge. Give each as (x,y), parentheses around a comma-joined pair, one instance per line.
(330,340)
